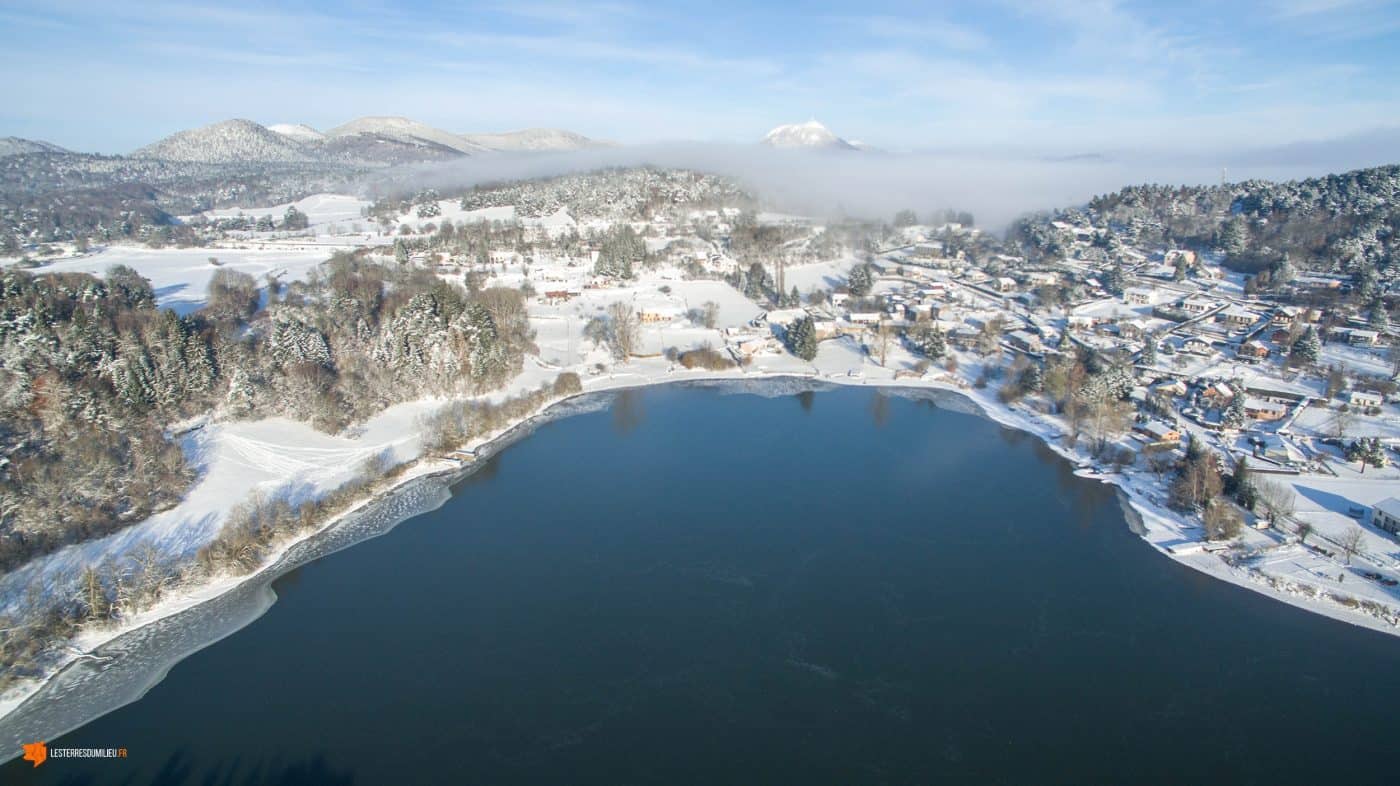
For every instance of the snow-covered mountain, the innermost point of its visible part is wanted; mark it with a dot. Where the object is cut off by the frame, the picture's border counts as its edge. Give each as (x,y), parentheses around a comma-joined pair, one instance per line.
(14,146)
(372,141)
(405,130)
(229,141)
(297,131)
(534,140)
(810,134)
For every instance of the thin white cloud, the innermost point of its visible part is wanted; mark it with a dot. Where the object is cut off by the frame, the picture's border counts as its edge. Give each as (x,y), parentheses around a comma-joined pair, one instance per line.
(938,33)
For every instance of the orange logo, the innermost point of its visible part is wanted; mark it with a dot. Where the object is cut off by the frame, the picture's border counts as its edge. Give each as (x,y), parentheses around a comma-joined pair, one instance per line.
(36,752)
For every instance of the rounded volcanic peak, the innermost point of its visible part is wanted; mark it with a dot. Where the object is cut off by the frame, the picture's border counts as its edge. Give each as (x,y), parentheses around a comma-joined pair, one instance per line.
(16,146)
(235,140)
(811,134)
(404,130)
(299,132)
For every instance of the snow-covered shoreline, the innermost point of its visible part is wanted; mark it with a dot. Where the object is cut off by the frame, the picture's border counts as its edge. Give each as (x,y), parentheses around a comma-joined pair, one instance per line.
(1155,524)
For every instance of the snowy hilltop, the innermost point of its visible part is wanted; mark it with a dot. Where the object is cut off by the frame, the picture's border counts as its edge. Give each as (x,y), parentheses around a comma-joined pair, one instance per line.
(227,141)
(297,131)
(810,134)
(14,146)
(405,130)
(535,139)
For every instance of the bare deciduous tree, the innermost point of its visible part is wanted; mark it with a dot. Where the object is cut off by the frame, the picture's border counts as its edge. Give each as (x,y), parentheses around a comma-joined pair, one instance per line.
(1351,542)
(1277,499)
(1304,529)
(1221,520)
(625,329)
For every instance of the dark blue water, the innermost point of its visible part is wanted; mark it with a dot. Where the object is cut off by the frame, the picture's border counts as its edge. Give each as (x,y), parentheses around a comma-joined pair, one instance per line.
(836,587)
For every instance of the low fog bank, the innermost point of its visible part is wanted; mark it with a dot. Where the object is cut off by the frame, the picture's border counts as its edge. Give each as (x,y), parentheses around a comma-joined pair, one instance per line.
(996,188)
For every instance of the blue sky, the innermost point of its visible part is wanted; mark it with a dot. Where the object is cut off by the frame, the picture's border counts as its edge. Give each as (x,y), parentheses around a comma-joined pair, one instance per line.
(999,74)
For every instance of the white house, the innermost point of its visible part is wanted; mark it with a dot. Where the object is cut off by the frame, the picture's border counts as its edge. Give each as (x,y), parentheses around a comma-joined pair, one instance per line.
(1197,305)
(1386,515)
(1365,398)
(1362,338)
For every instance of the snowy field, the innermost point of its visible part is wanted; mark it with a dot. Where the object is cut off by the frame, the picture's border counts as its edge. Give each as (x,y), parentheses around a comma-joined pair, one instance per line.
(324,212)
(278,457)
(1363,360)
(819,275)
(181,276)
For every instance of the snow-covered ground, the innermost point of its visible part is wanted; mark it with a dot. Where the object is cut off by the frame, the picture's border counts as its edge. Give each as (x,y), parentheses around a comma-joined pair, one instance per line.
(180,276)
(1365,360)
(278,457)
(324,212)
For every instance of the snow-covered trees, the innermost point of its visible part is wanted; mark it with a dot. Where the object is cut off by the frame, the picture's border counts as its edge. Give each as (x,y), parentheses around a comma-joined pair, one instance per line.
(860,280)
(426,204)
(233,295)
(927,339)
(294,220)
(1149,350)
(619,252)
(91,374)
(1235,416)
(1308,347)
(1368,451)
(488,362)
(1198,481)
(291,341)
(801,337)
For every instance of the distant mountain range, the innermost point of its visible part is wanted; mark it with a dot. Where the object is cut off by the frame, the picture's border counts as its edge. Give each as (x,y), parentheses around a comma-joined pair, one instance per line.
(366,140)
(383,141)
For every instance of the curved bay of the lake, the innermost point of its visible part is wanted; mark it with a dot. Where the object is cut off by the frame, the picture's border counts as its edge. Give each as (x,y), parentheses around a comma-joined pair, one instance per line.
(832,587)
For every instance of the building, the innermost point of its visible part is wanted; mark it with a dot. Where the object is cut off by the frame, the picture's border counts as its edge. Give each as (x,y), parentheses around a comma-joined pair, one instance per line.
(1362,338)
(1024,340)
(1365,398)
(1179,255)
(652,310)
(1253,350)
(1004,284)
(1238,317)
(1386,515)
(1197,346)
(1158,432)
(1137,296)
(1261,409)
(1196,305)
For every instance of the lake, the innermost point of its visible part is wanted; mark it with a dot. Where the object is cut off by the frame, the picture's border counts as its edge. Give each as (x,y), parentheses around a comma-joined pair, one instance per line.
(692,586)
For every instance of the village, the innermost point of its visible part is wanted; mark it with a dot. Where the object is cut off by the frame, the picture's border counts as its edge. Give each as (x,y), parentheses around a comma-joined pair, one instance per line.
(1136,365)
(1302,394)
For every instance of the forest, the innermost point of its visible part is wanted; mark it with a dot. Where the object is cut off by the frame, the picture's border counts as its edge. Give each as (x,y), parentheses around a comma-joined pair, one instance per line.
(94,376)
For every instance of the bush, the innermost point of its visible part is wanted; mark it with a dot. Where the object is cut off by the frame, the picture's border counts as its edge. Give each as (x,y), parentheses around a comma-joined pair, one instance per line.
(707,358)
(567,384)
